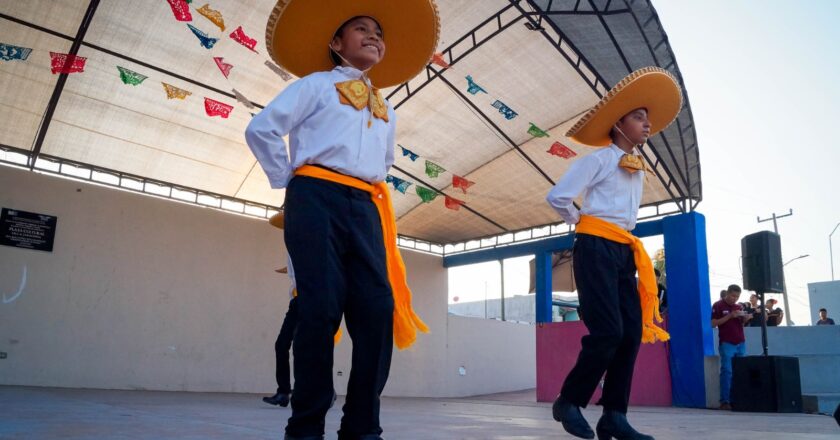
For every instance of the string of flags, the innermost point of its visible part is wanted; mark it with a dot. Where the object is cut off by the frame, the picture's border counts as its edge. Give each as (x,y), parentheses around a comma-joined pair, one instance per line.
(432,170)
(473,88)
(62,63)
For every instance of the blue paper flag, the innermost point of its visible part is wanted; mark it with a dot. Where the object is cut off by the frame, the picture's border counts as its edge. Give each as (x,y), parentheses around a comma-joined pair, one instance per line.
(409,153)
(206,41)
(472,87)
(11,53)
(399,184)
(504,109)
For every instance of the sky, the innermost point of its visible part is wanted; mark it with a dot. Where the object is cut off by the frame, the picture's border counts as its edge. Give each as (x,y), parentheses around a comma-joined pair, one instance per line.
(762,77)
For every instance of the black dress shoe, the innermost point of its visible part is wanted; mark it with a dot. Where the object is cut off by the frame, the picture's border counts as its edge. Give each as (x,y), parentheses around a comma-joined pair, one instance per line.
(613,424)
(363,437)
(281,399)
(569,415)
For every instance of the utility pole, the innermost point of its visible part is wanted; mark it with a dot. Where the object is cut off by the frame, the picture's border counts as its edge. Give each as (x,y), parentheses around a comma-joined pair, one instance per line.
(502,267)
(784,281)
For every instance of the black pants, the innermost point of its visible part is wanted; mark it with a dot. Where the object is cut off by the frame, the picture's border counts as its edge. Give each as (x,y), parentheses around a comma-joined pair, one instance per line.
(281,349)
(334,237)
(610,308)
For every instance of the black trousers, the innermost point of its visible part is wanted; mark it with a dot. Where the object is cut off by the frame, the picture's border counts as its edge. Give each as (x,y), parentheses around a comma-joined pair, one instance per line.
(281,349)
(610,308)
(334,237)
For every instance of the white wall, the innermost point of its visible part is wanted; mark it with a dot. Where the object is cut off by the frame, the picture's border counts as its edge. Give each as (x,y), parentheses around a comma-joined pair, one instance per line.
(145,293)
(824,295)
(815,346)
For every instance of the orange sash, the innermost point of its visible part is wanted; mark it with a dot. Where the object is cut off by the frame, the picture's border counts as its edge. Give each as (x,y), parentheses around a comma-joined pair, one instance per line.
(648,290)
(406,322)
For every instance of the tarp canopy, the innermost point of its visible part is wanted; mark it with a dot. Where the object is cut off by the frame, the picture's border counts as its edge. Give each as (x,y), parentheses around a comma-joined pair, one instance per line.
(547,61)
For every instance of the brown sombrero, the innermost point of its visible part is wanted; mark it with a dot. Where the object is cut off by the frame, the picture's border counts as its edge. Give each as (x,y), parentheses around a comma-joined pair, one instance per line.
(299,32)
(652,88)
(278,220)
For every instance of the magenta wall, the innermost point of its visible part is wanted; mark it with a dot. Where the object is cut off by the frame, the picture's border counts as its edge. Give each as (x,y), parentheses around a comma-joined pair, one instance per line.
(558,344)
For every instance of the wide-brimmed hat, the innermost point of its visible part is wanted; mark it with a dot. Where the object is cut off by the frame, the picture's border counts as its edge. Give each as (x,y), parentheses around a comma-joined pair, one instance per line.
(652,88)
(299,33)
(278,220)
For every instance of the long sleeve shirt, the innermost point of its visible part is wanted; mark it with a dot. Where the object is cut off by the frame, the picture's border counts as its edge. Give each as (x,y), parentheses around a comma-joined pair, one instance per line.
(609,192)
(322,131)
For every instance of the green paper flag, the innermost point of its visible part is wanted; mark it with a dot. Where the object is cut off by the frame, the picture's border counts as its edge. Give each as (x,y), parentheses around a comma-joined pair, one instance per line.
(130,77)
(425,194)
(433,169)
(536,131)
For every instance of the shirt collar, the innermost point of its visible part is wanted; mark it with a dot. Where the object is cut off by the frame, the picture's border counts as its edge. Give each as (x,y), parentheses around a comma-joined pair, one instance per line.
(348,71)
(618,151)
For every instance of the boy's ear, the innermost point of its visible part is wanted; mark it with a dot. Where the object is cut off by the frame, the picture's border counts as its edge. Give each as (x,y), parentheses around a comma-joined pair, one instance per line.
(335,44)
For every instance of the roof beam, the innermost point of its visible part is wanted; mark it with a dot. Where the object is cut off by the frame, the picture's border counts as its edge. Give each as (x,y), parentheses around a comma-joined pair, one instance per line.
(59,85)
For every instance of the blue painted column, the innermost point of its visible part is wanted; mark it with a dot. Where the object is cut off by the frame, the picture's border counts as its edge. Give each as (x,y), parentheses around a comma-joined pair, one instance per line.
(543,286)
(689,306)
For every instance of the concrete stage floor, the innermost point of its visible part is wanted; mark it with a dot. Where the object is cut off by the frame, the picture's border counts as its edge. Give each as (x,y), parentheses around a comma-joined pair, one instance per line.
(57,413)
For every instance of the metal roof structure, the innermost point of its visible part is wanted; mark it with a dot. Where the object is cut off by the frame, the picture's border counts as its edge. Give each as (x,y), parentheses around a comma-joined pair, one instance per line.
(512,77)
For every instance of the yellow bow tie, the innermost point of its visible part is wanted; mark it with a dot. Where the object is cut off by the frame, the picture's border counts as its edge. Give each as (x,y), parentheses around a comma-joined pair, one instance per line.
(357,94)
(632,163)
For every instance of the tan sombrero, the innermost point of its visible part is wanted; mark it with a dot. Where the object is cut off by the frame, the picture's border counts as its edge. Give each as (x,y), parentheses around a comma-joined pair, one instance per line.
(299,33)
(652,88)
(278,220)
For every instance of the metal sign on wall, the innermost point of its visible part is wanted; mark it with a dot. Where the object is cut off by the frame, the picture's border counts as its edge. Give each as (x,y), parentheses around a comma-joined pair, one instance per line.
(27,230)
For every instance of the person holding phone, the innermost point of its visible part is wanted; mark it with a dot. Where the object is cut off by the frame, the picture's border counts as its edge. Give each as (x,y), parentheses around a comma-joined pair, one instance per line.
(729,317)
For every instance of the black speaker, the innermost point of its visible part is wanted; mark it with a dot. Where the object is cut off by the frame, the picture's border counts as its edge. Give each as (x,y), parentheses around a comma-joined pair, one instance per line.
(762,262)
(766,384)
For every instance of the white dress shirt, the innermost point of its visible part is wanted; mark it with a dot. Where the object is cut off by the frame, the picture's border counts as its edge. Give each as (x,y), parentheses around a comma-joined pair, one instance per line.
(322,131)
(610,192)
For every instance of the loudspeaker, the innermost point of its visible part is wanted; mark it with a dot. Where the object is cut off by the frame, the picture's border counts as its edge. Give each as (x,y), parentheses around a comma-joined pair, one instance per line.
(766,384)
(762,262)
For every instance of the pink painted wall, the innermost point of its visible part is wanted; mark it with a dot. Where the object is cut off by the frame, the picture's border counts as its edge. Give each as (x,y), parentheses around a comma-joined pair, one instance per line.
(558,344)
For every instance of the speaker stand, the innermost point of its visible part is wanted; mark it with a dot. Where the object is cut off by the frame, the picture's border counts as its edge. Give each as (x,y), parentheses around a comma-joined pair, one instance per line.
(763,323)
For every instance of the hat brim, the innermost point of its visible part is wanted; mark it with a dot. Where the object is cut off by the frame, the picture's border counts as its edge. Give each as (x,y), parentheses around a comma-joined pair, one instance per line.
(299,32)
(278,220)
(651,88)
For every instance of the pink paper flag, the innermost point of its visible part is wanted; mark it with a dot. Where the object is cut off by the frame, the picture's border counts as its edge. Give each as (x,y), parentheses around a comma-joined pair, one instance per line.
(66,63)
(216,108)
(241,38)
(223,66)
(453,203)
(180,9)
(561,150)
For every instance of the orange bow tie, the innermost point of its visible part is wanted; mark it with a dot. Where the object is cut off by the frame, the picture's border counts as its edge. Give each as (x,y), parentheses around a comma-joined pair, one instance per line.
(632,163)
(357,94)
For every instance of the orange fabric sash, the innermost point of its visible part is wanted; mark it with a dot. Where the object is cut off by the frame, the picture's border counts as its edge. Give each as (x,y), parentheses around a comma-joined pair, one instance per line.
(648,290)
(406,322)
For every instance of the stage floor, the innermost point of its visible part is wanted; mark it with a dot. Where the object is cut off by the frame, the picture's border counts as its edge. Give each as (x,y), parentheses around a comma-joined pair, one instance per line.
(53,413)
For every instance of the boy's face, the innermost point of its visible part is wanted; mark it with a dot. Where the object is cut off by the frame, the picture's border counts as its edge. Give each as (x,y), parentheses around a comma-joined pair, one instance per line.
(360,42)
(635,125)
(823,314)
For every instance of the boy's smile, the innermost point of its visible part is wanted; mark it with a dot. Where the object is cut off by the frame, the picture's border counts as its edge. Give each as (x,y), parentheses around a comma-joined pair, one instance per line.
(360,42)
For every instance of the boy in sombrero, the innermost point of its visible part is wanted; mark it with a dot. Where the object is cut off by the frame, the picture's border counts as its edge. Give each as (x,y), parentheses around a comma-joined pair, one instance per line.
(339,222)
(618,314)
